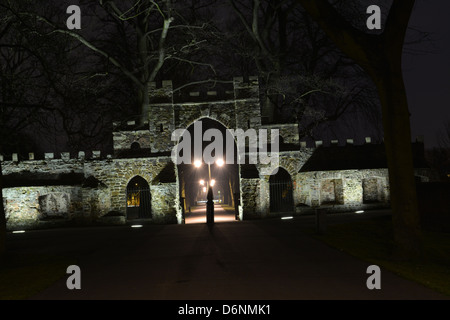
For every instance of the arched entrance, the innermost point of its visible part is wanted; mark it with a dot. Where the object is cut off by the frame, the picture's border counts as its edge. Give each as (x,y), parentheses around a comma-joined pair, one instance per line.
(281,192)
(138,199)
(202,171)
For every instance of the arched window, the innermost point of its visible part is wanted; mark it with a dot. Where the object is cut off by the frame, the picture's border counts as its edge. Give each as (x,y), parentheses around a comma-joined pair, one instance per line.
(135,146)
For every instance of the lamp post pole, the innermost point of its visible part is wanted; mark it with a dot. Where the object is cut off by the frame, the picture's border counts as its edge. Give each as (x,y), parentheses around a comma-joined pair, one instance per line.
(209,202)
(210,196)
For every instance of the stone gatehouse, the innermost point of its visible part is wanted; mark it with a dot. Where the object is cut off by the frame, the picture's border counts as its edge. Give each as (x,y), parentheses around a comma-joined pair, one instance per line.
(91,187)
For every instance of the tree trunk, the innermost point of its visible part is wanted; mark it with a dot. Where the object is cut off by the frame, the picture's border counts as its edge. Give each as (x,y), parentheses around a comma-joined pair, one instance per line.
(144,102)
(397,135)
(2,218)
(381,56)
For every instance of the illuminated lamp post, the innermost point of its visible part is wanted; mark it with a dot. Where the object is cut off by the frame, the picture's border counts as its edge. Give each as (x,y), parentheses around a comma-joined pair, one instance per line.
(210,196)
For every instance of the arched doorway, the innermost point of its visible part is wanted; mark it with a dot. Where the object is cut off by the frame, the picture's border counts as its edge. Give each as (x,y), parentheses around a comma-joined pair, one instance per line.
(199,173)
(281,192)
(138,199)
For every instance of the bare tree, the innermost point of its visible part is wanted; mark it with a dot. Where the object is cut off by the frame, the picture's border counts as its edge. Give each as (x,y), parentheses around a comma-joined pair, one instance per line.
(380,55)
(139,39)
(47,91)
(306,79)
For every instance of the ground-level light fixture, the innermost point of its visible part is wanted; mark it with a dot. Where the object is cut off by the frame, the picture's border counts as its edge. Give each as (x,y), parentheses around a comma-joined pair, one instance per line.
(136,226)
(19,231)
(359,211)
(287,218)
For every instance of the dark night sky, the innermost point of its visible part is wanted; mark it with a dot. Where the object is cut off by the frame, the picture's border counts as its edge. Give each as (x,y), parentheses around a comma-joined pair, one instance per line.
(427,76)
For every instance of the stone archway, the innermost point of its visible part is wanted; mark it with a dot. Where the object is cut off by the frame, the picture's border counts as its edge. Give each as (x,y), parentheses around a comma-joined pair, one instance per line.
(193,180)
(138,199)
(281,192)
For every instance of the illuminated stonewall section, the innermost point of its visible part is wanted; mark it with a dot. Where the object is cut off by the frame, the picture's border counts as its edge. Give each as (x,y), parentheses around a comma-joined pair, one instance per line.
(94,188)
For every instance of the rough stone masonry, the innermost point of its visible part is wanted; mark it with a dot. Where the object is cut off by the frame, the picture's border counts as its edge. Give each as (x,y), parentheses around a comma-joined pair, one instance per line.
(90,187)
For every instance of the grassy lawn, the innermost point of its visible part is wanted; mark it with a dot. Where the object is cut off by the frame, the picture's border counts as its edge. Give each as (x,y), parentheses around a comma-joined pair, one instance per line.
(371,240)
(23,275)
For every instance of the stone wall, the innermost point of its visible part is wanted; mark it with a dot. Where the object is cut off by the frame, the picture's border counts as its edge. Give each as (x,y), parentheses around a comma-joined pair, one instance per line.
(222,111)
(53,166)
(164,203)
(96,203)
(109,176)
(161,117)
(331,191)
(342,190)
(250,198)
(125,139)
(33,206)
(117,173)
(288,132)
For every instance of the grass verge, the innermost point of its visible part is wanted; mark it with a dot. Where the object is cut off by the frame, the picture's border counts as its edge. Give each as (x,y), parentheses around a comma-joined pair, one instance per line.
(23,275)
(371,240)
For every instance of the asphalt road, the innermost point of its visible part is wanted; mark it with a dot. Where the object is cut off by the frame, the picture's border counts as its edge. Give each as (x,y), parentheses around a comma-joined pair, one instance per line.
(265,259)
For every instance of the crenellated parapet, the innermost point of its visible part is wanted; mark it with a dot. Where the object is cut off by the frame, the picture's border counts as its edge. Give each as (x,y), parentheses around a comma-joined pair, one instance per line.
(341,174)
(140,139)
(162,94)
(47,157)
(246,89)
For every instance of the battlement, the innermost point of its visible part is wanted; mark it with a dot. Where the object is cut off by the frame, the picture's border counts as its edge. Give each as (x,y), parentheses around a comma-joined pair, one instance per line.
(204,96)
(50,156)
(131,124)
(331,143)
(208,91)
(97,155)
(161,95)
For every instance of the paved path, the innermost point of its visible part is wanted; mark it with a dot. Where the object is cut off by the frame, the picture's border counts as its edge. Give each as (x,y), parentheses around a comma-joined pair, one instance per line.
(221,214)
(267,259)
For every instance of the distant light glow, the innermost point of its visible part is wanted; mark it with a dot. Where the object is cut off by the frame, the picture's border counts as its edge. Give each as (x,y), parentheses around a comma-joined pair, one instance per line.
(136,226)
(359,211)
(220,162)
(197,163)
(202,182)
(204,189)
(19,231)
(213,182)
(287,218)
